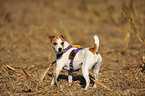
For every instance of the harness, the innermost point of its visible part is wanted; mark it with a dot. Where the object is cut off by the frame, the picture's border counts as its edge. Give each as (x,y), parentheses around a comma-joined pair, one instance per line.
(64,50)
(71,58)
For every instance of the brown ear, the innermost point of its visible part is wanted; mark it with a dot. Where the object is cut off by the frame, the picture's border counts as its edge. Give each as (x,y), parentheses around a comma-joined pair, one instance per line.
(63,36)
(51,38)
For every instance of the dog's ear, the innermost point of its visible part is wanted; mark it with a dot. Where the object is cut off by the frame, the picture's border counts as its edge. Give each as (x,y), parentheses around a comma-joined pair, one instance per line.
(63,36)
(51,38)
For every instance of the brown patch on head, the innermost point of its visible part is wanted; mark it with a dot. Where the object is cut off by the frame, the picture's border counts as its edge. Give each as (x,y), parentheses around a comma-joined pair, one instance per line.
(93,50)
(63,36)
(51,38)
(54,41)
(62,39)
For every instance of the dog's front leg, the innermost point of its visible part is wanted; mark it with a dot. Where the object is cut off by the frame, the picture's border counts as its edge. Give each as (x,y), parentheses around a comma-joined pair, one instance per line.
(59,66)
(70,78)
(53,80)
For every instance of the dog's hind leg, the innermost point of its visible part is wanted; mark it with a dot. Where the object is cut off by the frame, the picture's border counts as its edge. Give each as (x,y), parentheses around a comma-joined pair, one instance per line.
(96,69)
(85,73)
(89,61)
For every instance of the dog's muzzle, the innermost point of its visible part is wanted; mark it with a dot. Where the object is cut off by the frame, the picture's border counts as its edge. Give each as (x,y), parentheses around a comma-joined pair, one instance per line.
(59,49)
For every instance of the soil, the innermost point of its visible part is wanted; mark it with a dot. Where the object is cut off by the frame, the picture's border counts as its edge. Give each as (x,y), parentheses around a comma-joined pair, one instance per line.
(24,29)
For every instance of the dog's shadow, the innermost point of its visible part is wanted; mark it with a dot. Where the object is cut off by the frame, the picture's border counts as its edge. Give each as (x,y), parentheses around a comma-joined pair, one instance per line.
(79,78)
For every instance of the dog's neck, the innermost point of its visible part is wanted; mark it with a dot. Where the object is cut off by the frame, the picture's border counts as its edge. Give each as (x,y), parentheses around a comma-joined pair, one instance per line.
(59,55)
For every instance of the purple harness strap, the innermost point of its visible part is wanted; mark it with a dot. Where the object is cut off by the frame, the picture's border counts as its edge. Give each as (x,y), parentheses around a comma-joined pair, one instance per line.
(71,61)
(72,58)
(66,49)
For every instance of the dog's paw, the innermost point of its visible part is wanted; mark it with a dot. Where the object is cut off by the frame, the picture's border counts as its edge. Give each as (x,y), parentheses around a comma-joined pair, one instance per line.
(94,86)
(70,84)
(86,88)
(52,83)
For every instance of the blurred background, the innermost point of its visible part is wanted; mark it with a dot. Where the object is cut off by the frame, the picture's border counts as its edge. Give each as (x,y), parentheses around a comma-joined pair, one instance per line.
(26,24)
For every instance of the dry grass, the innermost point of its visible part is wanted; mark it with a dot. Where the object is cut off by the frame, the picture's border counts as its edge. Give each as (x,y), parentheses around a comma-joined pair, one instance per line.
(26,53)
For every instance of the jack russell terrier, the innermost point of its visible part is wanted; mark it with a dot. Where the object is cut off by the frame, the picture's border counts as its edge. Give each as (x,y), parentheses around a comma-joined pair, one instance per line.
(73,58)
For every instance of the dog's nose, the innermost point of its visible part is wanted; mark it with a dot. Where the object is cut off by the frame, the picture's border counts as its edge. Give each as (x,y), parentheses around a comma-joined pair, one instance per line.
(59,49)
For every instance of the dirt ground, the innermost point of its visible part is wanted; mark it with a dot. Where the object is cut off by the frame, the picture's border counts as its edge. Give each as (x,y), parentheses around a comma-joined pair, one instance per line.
(24,29)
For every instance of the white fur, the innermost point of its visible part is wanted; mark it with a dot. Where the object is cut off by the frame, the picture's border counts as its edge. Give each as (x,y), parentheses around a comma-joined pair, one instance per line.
(84,59)
(59,41)
(66,44)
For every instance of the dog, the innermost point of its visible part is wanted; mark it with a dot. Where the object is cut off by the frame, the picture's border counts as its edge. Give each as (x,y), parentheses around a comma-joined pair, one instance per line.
(85,58)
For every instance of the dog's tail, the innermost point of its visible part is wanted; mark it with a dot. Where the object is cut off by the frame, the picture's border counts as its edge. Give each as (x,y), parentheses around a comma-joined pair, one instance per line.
(95,50)
(96,40)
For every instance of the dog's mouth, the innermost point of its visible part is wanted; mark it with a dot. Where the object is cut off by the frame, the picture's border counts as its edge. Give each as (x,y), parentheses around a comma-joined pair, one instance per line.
(60,50)
(59,53)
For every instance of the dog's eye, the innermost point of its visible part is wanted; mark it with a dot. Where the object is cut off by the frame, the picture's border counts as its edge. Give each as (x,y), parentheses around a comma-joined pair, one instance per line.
(62,43)
(55,43)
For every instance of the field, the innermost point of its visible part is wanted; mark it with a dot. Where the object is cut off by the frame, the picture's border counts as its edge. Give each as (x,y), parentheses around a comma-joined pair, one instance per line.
(25,50)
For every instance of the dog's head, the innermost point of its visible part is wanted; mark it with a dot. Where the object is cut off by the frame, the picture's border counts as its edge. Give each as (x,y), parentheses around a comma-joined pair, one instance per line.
(57,43)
